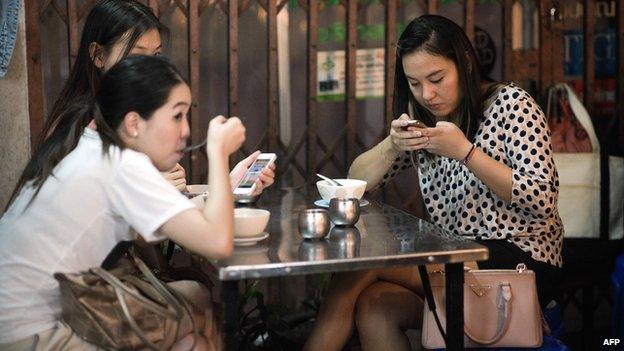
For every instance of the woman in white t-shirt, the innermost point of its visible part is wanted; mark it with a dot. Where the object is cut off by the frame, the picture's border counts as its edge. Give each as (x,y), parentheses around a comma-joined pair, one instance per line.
(72,210)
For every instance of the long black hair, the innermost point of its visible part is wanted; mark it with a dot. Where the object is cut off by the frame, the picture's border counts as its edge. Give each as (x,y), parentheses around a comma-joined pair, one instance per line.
(140,84)
(108,22)
(440,36)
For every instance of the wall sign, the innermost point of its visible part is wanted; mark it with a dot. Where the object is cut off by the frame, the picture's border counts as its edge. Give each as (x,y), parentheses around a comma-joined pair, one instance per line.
(369,74)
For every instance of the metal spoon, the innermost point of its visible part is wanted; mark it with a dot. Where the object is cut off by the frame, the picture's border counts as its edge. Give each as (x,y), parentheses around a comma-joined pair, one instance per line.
(196,146)
(331,181)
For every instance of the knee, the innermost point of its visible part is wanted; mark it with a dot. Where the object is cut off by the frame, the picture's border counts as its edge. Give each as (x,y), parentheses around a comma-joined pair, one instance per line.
(370,312)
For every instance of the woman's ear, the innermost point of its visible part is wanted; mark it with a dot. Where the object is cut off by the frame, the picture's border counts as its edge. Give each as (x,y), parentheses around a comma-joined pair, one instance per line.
(96,54)
(130,125)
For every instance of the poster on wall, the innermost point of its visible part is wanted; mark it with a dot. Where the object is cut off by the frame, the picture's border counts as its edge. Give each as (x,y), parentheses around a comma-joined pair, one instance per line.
(369,73)
(604,55)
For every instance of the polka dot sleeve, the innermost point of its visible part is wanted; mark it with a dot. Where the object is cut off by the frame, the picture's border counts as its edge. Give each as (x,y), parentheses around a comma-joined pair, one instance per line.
(528,149)
(402,162)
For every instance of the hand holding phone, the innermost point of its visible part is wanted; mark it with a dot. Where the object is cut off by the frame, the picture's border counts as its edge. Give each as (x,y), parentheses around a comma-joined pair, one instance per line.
(247,184)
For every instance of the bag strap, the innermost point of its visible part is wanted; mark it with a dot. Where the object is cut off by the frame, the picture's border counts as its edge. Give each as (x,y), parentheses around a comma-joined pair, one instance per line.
(177,302)
(503,304)
(133,324)
(173,297)
(117,284)
(424,278)
(581,115)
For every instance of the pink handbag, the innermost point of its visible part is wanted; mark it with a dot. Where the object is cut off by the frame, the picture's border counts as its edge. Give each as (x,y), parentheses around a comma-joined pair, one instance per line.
(501,309)
(568,135)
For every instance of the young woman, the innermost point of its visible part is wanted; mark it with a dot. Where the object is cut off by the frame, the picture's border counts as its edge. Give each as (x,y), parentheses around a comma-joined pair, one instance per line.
(75,207)
(485,170)
(113,30)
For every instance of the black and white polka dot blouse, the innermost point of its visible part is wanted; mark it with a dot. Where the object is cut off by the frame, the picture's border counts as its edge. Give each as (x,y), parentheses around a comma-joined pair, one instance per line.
(513,131)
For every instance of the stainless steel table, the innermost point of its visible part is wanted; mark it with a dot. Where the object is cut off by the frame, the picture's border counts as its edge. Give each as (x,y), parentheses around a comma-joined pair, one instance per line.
(383,237)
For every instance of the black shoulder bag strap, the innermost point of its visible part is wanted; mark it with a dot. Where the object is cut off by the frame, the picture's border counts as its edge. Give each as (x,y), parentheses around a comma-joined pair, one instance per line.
(424,278)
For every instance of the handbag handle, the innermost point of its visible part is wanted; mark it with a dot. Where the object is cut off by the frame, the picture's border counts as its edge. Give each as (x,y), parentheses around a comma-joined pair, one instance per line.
(581,115)
(503,304)
(121,290)
(117,284)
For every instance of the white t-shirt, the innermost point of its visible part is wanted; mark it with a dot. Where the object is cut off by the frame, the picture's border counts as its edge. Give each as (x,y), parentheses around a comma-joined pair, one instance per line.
(80,214)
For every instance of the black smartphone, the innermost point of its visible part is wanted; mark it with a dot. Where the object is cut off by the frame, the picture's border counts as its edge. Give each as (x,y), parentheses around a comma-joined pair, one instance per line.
(415,123)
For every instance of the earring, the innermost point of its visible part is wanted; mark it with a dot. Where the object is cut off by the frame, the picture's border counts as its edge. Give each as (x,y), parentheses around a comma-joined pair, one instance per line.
(135,134)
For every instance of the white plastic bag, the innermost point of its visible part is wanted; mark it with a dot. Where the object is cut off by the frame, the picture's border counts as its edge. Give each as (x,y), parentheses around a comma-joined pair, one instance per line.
(579,184)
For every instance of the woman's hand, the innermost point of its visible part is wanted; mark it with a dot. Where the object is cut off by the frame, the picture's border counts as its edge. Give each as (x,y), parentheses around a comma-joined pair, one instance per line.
(266,178)
(225,135)
(406,139)
(447,140)
(176,176)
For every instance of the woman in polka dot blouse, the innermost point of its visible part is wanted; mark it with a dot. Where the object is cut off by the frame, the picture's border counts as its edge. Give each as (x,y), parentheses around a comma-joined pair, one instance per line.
(485,170)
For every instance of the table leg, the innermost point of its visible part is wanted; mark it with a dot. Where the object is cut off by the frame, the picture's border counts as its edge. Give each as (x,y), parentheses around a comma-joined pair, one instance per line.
(229,296)
(455,306)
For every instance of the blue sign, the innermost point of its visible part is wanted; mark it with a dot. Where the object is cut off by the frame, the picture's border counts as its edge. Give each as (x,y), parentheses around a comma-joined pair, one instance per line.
(604,52)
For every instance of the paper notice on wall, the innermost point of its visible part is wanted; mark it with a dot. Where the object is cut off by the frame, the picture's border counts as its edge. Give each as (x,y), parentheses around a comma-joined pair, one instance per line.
(369,73)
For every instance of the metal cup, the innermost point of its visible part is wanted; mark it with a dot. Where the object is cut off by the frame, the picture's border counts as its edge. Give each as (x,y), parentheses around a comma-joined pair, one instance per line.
(313,223)
(345,212)
(346,241)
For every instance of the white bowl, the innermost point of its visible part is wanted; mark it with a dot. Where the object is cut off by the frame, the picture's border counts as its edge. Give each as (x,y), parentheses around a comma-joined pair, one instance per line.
(350,188)
(250,221)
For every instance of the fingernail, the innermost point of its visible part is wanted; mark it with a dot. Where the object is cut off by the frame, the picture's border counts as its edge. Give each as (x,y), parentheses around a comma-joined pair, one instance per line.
(417,134)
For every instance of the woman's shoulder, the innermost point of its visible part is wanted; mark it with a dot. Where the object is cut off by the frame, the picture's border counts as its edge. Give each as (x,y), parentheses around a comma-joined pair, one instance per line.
(503,93)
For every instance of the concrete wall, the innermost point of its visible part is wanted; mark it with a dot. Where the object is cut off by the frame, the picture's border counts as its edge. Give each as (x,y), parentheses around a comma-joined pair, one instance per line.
(14,122)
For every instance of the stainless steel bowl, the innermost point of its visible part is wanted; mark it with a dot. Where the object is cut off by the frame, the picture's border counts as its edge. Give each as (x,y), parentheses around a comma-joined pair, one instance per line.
(344,211)
(313,223)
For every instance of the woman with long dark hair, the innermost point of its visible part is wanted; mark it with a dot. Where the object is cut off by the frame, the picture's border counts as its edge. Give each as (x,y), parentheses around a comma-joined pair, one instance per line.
(113,30)
(78,205)
(486,173)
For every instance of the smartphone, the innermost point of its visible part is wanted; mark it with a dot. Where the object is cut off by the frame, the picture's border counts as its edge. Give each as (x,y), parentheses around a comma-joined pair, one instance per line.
(248,184)
(415,123)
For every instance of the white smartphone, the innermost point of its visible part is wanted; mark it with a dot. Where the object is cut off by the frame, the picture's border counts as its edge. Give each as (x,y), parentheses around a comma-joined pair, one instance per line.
(247,185)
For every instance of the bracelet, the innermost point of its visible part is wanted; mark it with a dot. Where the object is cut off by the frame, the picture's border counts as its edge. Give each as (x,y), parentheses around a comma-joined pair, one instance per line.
(468,156)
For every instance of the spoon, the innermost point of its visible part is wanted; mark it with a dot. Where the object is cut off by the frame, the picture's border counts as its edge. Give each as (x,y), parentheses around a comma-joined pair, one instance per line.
(196,146)
(331,181)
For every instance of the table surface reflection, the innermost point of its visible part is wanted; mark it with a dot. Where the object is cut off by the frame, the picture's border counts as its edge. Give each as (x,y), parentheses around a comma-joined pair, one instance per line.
(383,237)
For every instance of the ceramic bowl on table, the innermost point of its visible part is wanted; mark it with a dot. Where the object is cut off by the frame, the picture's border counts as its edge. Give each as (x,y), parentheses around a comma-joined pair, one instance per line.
(348,188)
(249,222)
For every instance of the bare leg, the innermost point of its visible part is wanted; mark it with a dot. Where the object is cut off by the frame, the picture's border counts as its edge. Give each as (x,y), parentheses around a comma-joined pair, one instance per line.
(383,312)
(207,318)
(335,320)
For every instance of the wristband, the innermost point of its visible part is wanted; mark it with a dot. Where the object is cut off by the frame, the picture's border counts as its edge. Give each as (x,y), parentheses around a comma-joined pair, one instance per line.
(468,156)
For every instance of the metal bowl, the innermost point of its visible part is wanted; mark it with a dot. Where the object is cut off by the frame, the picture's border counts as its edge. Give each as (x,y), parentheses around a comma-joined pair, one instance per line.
(313,223)
(344,211)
